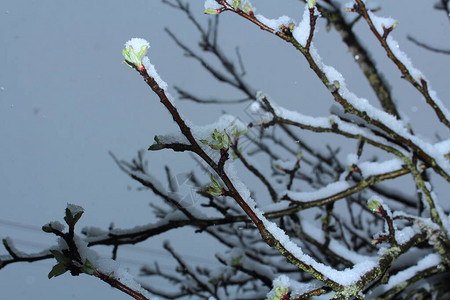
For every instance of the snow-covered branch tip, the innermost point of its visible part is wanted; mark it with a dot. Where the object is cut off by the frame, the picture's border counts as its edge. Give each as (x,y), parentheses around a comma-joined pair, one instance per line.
(73,255)
(134,52)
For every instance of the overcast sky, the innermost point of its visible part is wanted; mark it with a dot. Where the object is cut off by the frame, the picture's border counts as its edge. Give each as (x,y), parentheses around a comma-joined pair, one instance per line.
(66,99)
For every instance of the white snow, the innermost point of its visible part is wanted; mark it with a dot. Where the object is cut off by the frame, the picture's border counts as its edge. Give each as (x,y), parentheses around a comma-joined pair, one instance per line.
(404,235)
(109,267)
(137,44)
(285,164)
(225,122)
(302,30)
(363,105)
(92,231)
(276,206)
(428,261)
(171,138)
(329,190)
(255,107)
(280,285)
(284,284)
(344,277)
(57,225)
(443,147)
(369,168)
(381,23)
(274,23)
(151,70)
(393,44)
(352,159)
(74,209)
(334,245)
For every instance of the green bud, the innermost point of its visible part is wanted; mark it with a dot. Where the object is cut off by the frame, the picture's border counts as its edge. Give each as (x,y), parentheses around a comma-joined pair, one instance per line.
(71,219)
(374,206)
(214,191)
(311,3)
(157,145)
(133,59)
(280,291)
(247,8)
(211,11)
(57,270)
(47,228)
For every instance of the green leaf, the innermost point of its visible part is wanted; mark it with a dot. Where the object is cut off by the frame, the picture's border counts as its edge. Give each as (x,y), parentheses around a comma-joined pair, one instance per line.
(216,147)
(204,142)
(142,52)
(211,11)
(69,217)
(247,8)
(60,257)
(236,3)
(214,181)
(126,55)
(155,147)
(57,270)
(237,133)
(311,3)
(88,268)
(227,141)
(77,217)
(130,56)
(216,135)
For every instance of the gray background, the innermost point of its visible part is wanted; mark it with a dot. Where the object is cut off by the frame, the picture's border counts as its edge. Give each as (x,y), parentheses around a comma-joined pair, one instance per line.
(66,99)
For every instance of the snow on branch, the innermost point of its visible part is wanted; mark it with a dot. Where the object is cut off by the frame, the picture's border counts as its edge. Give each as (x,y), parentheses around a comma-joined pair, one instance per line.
(382,27)
(321,224)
